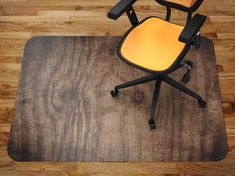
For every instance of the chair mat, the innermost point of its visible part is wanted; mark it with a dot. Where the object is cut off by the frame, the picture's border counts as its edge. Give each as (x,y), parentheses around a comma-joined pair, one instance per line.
(64,110)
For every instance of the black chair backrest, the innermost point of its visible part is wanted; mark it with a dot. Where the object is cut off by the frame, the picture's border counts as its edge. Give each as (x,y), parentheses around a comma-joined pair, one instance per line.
(177,5)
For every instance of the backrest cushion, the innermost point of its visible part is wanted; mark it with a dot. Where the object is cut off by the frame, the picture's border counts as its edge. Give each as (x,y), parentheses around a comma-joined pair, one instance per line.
(186,3)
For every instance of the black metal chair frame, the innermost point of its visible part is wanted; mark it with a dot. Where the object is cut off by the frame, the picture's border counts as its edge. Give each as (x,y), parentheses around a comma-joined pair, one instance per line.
(190,36)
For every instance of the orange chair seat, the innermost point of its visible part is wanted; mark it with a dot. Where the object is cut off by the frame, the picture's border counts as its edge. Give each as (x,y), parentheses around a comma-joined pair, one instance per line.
(153,44)
(186,3)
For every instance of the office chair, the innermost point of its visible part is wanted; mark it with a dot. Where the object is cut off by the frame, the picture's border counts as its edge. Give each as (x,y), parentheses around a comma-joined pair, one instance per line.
(158,47)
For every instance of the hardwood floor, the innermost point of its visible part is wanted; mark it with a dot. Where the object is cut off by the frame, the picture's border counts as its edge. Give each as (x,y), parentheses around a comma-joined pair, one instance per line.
(22,19)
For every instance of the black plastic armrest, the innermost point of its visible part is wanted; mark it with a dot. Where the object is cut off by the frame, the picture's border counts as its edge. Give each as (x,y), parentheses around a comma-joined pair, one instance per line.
(192,28)
(120,8)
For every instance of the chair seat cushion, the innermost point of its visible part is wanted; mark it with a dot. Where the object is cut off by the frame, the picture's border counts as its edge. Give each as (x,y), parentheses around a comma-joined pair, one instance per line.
(152,45)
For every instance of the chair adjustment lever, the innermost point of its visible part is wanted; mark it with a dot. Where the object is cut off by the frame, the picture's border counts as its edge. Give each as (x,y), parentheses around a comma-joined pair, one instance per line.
(186,77)
(188,65)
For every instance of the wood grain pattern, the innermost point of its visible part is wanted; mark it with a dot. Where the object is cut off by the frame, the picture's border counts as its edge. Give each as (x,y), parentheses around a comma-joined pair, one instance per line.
(64,111)
(221,32)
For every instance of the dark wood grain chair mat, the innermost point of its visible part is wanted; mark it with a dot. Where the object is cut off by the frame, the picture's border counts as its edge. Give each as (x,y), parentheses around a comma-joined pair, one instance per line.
(64,111)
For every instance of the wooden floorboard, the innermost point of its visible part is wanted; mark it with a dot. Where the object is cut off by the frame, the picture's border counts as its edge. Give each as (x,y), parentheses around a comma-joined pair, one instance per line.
(22,19)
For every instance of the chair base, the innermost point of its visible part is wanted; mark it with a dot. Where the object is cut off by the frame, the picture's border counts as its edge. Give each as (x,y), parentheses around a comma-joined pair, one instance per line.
(158,80)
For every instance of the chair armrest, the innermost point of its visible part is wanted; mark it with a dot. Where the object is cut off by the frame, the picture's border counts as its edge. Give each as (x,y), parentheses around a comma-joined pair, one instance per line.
(192,28)
(120,8)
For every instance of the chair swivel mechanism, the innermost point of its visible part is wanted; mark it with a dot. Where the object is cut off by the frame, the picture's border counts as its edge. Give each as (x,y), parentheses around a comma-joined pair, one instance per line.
(158,47)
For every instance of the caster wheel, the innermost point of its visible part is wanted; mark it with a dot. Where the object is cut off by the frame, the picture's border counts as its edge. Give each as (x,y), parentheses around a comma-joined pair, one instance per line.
(197,41)
(190,63)
(186,78)
(152,124)
(114,92)
(201,103)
